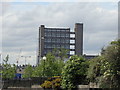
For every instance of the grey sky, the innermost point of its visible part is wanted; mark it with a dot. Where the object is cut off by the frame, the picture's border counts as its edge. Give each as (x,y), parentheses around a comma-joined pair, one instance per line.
(21,22)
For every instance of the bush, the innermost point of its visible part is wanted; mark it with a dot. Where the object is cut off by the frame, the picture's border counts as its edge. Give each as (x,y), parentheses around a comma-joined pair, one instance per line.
(52,82)
(56,83)
(47,84)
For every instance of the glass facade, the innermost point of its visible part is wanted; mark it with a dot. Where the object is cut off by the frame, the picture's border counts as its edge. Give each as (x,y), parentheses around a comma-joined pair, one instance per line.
(56,38)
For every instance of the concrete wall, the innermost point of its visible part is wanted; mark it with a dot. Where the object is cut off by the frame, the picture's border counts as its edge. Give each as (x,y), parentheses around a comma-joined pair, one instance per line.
(40,43)
(79,39)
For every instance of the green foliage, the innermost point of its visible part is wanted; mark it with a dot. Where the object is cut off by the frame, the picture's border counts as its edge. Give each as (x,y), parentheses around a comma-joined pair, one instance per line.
(47,84)
(8,71)
(73,72)
(94,69)
(105,69)
(52,66)
(38,71)
(28,72)
(53,82)
(61,53)
(112,55)
(56,83)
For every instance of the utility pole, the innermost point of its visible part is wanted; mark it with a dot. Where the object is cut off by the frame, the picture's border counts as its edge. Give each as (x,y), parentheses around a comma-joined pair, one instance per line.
(26,57)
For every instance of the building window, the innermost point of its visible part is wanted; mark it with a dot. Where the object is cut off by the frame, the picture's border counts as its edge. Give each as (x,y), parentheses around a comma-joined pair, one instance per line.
(58,40)
(45,34)
(62,35)
(53,40)
(72,46)
(72,35)
(72,41)
(67,41)
(57,46)
(53,46)
(62,40)
(58,34)
(72,52)
(53,34)
(47,39)
(67,35)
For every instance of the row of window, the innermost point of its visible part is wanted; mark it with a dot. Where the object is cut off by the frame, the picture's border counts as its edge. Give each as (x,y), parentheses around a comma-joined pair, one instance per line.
(46,51)
(57,30)
(57,40)
(57,35)
(57,46)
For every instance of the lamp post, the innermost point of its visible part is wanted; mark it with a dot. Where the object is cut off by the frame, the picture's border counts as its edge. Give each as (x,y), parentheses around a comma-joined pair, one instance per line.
(26,57)
(44,58)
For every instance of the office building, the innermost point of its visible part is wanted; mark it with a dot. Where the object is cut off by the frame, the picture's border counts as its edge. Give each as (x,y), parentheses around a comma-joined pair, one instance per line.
(51,38)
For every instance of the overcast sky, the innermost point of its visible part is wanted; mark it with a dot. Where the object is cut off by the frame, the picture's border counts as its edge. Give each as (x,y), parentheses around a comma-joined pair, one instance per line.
(21,21)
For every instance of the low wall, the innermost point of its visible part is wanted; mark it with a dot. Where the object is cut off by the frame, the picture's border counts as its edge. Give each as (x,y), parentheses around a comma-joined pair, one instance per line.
(23,89)
(23,82)
(83,87)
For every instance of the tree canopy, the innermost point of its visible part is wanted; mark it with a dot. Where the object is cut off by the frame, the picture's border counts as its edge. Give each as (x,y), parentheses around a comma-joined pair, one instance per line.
(8,71)
(51,66)
(105,69)
(74,72)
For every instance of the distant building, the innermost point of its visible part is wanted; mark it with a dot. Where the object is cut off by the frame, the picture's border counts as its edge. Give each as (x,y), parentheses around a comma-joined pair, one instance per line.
(89,56)
(51,38)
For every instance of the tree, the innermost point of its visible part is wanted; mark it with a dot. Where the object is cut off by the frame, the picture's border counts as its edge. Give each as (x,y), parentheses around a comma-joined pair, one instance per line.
(97,67)
(51,66)
(63,53)
(60,53)
(28,72)
(112,55)
(8,71)
(74,72)
(105,69)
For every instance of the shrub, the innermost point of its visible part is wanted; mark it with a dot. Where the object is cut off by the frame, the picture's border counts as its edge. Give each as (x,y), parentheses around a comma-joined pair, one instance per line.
(47,84)
(56,83)
(52,82)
